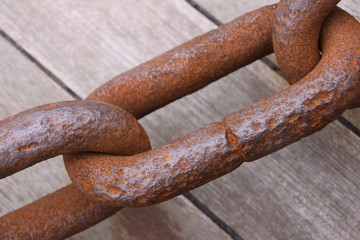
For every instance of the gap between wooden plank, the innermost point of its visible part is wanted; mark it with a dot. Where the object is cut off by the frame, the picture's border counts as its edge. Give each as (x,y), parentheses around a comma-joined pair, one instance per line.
(270,64)
(196,202)
(39,65)
(217,220)
(204,12)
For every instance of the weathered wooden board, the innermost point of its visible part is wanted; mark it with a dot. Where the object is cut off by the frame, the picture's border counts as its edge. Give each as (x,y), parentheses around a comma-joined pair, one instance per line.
(86,43)
(227,11)
(92,47)
(306,191)
(24,86)
(175,219)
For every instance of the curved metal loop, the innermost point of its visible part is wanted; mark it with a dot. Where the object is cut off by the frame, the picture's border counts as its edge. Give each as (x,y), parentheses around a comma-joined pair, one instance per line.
(191,65)
(53,129)
(296,32)
(246,135)
(338,88)
(239,31)
(50,130)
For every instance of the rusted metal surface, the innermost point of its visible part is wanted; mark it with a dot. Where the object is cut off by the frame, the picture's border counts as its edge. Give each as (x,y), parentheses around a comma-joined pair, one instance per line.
(60,128)
(52,130)
(246,135)
(56,216)
(259,45)
(210,152)
(72,126)
(192,65)
(296,33)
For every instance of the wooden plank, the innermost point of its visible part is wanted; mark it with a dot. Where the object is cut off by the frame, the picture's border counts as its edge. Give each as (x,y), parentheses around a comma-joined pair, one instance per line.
(232,9)
(208,105)
(88,43)
(25,86)
(303,191)
(225,12)
(174,219)
(353,116)
(352,7)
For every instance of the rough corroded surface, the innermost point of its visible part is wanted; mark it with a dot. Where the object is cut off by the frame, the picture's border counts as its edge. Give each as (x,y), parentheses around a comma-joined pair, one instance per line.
(296,33)
(310,104)
(55,216)
(53,129)
(245,39)
(72,126)
(192,65)
(158,175)
(213,150)
(246,135)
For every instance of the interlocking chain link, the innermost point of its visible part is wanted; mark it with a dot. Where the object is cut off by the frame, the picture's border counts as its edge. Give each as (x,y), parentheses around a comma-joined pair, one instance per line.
(321,90)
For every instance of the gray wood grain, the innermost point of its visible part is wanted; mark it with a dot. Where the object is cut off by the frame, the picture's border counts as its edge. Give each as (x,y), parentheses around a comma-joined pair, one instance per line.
(305,191)
(174,219)
(85,43)
(231,9)
(226,11)
(24,85)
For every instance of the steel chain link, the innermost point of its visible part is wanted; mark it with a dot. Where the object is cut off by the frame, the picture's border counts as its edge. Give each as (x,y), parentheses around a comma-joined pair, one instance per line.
(323,86)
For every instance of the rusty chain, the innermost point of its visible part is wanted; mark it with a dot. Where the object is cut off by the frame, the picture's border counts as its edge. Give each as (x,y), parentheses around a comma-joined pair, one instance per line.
(322,87)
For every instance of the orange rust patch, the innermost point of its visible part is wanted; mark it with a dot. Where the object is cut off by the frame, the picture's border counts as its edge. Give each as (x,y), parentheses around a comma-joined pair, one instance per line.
(291,118)
(5,136)
(256,126)
(113,190)
(28,147)
(272,122)
(166,159)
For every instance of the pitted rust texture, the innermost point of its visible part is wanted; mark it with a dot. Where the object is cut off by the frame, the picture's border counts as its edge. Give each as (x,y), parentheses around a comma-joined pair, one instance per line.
(251,39)
(214,150)
(226,137)
(59,128)
(72,126)
(313,102)
(190,66)
(56,216)
(296,32)
(158,175)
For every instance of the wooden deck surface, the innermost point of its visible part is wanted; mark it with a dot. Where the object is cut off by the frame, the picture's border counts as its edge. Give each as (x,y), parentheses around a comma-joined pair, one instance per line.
(60,50)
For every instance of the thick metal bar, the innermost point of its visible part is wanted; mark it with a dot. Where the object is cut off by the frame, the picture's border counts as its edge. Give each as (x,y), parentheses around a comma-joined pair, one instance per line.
(56,216)
(248,45)
(296,32)
(216,149)
(228,138)
(50,130)
(192,65)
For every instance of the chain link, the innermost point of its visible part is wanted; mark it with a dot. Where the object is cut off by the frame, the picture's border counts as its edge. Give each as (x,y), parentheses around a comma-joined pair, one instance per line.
(122,171)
